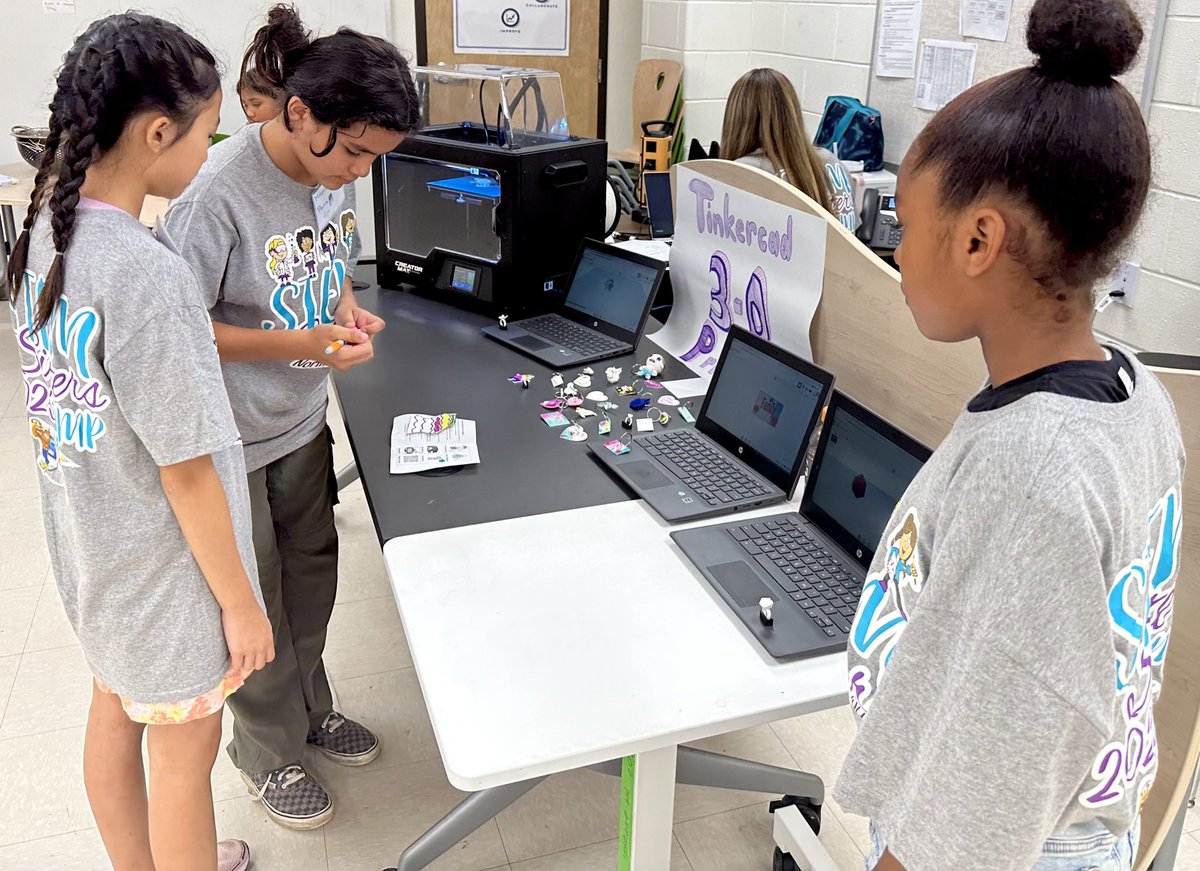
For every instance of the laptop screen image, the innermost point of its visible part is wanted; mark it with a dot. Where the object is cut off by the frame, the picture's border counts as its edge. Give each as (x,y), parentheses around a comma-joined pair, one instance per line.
(764,403)
(858,480)
(611,289)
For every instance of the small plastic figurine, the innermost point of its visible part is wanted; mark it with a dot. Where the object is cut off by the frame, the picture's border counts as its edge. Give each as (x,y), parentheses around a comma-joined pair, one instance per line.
(504,322)
(655,363)
(613,374)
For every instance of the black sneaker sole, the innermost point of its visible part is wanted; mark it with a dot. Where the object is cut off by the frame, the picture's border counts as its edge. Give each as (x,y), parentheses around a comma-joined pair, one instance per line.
(298,824)
(350,761)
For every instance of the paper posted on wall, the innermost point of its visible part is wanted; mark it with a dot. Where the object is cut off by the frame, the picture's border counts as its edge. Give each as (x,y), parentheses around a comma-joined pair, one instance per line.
(432,441)
(947,69)
(985,19)
(899,27)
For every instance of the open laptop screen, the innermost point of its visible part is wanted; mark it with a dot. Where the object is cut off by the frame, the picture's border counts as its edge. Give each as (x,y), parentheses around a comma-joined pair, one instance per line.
(659,207)
(861,469)
(765,403)
(610,288)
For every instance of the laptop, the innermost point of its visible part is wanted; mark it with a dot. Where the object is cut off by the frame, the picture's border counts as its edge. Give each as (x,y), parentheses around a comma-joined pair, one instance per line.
(812,564)
(660,210)
(747,448)
(603,314)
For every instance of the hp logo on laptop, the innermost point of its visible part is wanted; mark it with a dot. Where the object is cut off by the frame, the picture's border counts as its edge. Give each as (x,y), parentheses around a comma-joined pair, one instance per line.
(740,449)
(858,553)
(595,323)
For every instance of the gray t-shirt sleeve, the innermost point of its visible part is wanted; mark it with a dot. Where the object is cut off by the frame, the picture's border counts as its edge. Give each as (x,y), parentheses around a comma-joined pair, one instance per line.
(168,385)
(205,240)
(972,702)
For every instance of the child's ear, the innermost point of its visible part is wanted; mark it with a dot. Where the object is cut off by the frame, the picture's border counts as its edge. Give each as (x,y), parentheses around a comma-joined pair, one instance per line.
(160,133)
(983,240)
(298,112)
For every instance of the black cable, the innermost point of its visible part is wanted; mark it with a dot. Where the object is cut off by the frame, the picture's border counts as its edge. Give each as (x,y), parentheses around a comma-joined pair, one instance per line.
(483,117)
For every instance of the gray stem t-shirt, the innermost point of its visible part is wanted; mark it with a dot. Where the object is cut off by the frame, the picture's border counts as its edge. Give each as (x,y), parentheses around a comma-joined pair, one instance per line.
(250,234)
(1009,644)
(122,380)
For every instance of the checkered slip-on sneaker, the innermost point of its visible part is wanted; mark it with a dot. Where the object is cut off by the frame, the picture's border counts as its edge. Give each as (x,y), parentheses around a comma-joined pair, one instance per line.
(344,741)
(233,855)
(291,797)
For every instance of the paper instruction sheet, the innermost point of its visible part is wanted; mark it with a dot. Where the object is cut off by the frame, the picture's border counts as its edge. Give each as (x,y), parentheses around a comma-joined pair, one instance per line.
(985,19)
(947,69)
(899,28)
(431,441)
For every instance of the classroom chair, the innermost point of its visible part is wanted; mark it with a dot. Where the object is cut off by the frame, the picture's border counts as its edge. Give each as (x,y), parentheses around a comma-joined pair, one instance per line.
(655,90)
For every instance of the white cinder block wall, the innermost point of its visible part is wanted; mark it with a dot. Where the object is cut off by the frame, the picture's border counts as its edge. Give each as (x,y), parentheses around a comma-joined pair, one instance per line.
(1166,311)
(824,47)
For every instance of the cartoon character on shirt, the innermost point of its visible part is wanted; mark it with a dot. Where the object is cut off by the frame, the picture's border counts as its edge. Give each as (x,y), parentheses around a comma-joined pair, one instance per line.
(881,616)
(901,566)
(329,242)
(279,260)
(306,243)
(349,225)
(47,446)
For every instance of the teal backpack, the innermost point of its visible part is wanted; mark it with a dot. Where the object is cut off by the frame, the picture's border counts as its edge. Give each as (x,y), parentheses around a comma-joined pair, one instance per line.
(852,131)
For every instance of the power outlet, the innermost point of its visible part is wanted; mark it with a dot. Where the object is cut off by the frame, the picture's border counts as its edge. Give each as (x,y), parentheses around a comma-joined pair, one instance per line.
(1125,281)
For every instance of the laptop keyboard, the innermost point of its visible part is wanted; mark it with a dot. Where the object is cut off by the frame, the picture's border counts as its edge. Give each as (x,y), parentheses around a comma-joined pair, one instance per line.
(809,574)
(715,478)
(570,335)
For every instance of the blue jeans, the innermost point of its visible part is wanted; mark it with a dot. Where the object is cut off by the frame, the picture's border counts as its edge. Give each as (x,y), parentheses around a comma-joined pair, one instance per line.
(1083,847)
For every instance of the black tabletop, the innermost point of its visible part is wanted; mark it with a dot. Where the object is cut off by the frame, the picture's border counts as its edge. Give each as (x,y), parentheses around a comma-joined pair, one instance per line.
(433,359)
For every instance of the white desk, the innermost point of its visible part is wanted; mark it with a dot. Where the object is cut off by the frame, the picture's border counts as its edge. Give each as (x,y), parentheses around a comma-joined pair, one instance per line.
(575,664)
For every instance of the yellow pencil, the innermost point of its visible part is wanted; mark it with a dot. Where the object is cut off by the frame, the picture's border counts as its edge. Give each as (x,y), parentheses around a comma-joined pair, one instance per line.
(337,344)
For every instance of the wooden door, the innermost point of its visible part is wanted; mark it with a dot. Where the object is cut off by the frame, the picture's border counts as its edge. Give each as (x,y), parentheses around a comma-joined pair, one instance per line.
(582,72)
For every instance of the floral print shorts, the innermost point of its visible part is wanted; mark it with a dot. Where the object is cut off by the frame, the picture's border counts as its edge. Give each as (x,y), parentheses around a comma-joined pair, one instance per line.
(183,711)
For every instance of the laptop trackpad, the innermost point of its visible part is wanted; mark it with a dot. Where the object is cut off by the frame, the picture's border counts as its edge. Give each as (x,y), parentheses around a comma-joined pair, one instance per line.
(645,475)
(741,583)
(533,343)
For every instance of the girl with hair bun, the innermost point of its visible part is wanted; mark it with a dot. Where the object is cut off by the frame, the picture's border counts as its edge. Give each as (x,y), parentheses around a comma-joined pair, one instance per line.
(1005,684)
(285,312)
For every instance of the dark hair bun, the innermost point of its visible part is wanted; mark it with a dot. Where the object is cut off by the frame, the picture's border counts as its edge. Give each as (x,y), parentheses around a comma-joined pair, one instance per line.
(277,46)
(1087,42)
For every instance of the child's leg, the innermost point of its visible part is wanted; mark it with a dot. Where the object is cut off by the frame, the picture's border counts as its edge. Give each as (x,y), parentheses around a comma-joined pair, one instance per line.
(116,782)
(183,833)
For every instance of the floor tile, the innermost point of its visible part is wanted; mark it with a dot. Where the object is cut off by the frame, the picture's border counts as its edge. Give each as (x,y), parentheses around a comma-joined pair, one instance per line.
(759,744)
(43,791)
(361,572)
(819,742)
(1191,822)
(365,638)
(77,851)
(8,672)
(50,627)
(1188,857)
(391,705)
(272,847)
(382,811)
(52,690)
(596,857)
(353,517)
(741,840)
(18,471)
(565,811)
(22,532)
(17,608)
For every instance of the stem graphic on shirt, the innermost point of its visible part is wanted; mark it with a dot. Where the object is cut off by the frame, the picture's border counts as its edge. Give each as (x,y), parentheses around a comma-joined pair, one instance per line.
(63,401)
(1140,604)
(307,296)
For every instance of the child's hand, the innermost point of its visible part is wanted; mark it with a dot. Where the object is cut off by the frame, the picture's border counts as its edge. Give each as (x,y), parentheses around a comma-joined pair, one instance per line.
(341,348)
(365,321)
(248,636)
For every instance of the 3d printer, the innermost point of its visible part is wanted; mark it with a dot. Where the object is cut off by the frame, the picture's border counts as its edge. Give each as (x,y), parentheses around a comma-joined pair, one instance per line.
(488,203)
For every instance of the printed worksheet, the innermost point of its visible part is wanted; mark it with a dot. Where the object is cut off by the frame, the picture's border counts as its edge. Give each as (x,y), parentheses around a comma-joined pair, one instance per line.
(431,441)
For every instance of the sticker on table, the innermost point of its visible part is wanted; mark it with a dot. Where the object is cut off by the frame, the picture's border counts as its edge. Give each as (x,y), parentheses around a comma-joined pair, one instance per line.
(555,418)
(653,385)
(573,433)
(617,446)
(645,425)
(668,399)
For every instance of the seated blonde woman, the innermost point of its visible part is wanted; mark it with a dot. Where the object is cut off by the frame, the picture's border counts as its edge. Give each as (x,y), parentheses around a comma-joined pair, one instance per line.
(764,128)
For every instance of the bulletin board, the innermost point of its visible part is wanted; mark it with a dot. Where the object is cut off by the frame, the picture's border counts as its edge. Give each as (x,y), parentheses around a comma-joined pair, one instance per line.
(940,20)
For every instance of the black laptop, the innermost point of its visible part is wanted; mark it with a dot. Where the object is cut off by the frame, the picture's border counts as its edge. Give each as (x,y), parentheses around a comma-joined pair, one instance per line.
(812,564)
(603,315)
(747,448)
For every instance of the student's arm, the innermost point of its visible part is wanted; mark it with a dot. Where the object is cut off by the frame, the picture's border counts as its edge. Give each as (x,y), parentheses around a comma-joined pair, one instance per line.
(248,345)
(198,499)
(889,863)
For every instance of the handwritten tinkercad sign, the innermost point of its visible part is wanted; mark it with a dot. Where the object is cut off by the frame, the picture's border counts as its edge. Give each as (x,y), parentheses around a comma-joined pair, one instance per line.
(531,27)
(739,259)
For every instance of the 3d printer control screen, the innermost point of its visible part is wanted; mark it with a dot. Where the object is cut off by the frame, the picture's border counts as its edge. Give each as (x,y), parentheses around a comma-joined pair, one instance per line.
(431,204)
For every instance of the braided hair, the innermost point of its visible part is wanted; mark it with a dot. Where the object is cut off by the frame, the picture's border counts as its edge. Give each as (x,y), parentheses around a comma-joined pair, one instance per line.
(345,78)
(120,67)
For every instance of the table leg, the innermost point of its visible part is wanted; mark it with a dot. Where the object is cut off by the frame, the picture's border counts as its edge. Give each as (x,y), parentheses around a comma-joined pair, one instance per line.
(647,811)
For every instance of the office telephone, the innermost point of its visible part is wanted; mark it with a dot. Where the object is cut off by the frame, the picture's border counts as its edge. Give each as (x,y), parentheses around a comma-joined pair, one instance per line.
(879,228)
